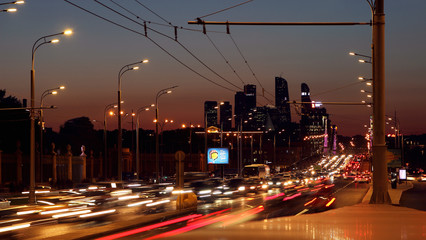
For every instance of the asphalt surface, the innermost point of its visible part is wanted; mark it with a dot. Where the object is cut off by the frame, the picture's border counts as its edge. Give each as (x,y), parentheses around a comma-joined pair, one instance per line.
(415,197)
(347,193)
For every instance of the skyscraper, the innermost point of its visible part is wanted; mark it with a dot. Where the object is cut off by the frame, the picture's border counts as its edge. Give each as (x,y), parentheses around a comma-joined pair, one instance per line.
(313,123)
(281,100)
(250,92)
(210,113)
(240,107)
(225,116)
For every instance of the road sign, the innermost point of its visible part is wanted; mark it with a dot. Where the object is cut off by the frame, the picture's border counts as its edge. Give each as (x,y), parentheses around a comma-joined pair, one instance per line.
(180,155)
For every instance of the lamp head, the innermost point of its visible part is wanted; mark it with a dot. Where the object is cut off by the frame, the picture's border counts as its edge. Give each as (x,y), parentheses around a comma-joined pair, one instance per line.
(153,105)
(145,61)
(19,2)
(170,91)
(54,92)
(135,68)
(352,53)
(54,40)
(11,10)
(68,32)
(62,87)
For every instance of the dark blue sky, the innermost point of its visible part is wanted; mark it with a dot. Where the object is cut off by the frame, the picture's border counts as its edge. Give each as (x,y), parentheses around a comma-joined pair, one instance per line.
(88,62)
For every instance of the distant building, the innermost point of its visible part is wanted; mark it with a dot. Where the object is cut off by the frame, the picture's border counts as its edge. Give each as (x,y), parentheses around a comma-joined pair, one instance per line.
(281,100)
(250,93)
(226,116)
(210,113)
(240,107)
(313,124)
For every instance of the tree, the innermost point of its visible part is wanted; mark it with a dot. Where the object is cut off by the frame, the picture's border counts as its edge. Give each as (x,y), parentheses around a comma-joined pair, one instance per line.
(14,123)
(77,132)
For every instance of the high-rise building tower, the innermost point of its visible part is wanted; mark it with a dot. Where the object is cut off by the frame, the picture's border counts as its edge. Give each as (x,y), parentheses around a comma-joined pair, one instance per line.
(281,100)
(210,113)
(226,116)
(306,98)
(240,107)
(250,92)
(313,124)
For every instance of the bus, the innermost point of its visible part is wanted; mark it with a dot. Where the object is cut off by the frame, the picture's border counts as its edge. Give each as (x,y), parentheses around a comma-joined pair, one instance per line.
(256,171)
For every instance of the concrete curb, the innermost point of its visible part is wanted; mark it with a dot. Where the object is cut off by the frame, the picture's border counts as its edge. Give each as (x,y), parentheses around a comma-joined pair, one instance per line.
(394,194)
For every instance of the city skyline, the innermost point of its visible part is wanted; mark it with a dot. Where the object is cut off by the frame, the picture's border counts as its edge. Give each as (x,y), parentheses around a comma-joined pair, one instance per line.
(87,63)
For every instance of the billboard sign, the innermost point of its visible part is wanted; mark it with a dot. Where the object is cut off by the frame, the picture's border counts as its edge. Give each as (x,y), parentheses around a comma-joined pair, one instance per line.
(217,156)
(403,174)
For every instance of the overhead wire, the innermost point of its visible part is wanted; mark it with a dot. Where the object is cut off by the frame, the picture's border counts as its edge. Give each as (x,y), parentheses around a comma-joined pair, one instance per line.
(224,58)
(338,88)
(251,70)
(169,24)
(174,39)
(158,45)
(226,9)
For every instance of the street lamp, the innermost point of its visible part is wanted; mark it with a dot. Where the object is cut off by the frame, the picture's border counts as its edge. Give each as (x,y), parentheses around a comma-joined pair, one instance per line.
(9,10)
(119,139)
(10,3)
(157,147)
(141,109)
(36,45)
(15,2)
(52,91)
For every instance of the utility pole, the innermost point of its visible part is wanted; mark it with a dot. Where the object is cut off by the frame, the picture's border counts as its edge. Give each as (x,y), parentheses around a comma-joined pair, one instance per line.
(380,179)
(380,186)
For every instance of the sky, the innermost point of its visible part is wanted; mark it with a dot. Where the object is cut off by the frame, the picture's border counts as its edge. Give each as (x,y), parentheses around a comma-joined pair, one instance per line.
(88,62)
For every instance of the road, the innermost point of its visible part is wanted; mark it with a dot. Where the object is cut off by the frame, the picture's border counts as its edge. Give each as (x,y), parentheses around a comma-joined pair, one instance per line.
(415,197)
(226,212)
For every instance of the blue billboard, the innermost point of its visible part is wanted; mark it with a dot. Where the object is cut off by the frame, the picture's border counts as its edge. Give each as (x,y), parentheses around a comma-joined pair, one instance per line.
(217,156)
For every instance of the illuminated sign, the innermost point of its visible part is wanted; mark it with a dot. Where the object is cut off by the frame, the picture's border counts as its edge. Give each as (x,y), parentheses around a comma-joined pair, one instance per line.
(218,156)
(403,174)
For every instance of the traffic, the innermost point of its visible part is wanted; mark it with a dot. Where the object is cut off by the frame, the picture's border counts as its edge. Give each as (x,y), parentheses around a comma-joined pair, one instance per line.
(257,193)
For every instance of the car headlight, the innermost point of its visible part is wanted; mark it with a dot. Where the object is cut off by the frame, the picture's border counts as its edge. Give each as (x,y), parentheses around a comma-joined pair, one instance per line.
(242,188)
(204,192)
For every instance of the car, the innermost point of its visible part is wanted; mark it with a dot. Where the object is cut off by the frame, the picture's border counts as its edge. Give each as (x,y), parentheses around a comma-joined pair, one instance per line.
(203,189)
(422,178)
(256,185)
(364,178)
(322,200)
(232,188)
(275,182)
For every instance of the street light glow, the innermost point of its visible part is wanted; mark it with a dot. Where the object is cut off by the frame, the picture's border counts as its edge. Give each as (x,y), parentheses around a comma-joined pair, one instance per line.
(170,91)
(145,61)
(361,60)
(54,40)
(54,92)
(11,10)
(352,53)
(62,87)
(19,2)
(67,32)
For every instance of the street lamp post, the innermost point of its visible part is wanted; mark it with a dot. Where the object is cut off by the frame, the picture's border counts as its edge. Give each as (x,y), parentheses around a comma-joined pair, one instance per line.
(52,91)
(112,105)
(119,138)
(157,146)
(36,45)
(145,108)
